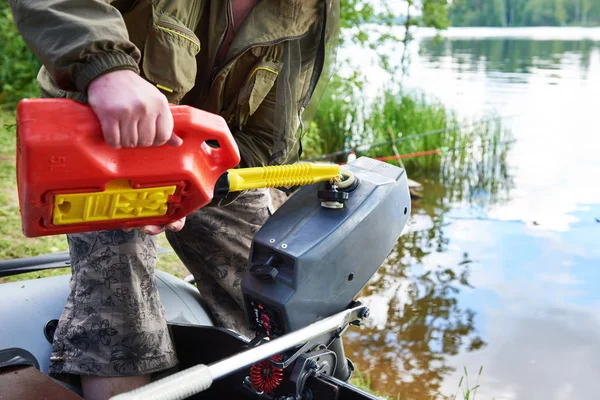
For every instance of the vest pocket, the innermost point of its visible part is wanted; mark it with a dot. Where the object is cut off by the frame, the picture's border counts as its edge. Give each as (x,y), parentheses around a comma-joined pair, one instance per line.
(257,85)
(169,59)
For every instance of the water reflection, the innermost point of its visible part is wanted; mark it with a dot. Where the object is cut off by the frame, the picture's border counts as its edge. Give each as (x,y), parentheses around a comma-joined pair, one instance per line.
(417,321)
(519,226)
(510,55)
(476,172)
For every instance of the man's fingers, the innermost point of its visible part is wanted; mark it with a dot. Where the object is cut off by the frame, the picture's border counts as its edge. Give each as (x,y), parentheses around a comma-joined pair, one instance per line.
(141,114)
(153,229)
(164,127)
(176,226)
(129,132)
(146,131)
(111,132)
(148,229)
(175,140)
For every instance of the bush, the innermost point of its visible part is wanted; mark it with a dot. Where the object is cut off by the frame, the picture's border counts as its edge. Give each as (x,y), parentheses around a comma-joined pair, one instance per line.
(18,65)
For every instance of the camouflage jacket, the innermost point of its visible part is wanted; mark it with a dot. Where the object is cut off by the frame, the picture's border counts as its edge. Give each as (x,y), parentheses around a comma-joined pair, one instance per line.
(261,84)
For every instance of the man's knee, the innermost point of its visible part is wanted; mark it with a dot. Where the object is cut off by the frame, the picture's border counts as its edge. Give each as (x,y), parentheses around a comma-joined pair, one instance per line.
(115,248)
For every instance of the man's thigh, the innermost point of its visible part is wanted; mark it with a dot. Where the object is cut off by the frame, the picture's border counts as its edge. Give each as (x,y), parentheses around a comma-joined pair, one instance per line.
(214,245)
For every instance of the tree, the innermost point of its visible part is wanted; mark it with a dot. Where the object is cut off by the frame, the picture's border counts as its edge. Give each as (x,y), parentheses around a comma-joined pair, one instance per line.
(560,12)
(586,6)
(524,12)
(427,13)
(435,14)
(432,13)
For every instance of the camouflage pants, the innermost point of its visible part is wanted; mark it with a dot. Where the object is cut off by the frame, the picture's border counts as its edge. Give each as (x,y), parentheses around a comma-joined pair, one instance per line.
(114,324)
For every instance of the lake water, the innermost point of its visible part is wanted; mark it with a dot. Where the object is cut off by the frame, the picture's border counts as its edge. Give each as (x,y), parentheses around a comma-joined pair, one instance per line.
(505,275)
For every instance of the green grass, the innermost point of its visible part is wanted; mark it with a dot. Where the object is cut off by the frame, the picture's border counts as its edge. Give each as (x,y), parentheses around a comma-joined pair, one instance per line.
(363,382)
(337,119)
(400,122)
(12,242)
(467,392)
(463,392)
(398,115)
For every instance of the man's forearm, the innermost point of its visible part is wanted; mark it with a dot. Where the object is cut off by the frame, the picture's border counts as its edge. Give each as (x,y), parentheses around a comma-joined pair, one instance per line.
(76,40)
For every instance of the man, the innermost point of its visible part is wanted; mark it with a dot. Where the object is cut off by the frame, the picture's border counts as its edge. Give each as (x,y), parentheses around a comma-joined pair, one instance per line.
(257,64)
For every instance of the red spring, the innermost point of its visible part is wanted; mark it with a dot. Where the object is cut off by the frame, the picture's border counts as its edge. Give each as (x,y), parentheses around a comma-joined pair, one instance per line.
(265,376)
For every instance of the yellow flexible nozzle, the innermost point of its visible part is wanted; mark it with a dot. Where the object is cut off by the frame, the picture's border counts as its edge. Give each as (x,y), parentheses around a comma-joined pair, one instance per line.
(280,176)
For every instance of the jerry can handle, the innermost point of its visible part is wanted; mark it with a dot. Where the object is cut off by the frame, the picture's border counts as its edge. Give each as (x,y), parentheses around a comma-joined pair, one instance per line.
(190,122)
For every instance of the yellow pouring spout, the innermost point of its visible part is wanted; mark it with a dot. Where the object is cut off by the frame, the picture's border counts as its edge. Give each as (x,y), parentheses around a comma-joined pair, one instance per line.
(281,176)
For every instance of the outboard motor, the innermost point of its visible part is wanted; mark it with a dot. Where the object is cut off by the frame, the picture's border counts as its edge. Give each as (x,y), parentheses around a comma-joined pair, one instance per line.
(306,266)
(311,259)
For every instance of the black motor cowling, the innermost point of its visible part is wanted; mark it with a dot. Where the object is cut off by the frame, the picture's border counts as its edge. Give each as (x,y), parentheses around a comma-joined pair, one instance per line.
(311,259)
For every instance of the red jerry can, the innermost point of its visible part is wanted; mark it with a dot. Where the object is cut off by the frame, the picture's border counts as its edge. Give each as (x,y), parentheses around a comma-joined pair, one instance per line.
(69,180)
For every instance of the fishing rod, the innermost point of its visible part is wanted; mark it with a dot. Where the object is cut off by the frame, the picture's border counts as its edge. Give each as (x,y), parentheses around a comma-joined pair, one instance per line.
(407,138)
(437,151)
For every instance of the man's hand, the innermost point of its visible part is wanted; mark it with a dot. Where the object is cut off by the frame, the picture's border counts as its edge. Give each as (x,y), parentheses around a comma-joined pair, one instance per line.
(133,113)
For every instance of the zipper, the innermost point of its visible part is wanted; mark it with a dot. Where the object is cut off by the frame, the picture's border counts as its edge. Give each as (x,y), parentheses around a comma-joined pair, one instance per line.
(229,19)
(179,31)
